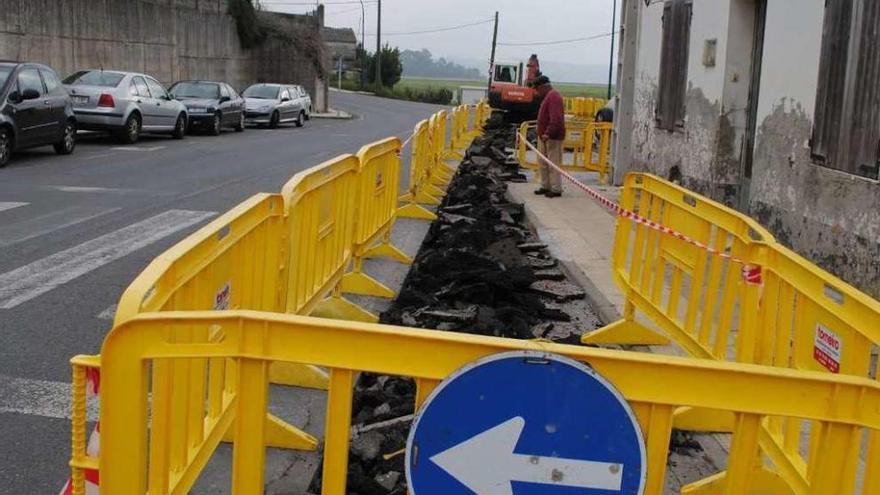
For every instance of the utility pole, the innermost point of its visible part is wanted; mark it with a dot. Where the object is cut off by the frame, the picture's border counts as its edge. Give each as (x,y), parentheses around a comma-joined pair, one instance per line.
(363,54)
(613,35)
(494,44)
(379,47)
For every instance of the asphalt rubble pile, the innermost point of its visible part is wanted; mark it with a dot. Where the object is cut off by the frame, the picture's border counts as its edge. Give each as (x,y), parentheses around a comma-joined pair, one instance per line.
(481,271)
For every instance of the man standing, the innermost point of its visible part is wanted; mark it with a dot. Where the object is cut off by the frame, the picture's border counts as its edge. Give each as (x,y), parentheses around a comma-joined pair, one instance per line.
(551,134)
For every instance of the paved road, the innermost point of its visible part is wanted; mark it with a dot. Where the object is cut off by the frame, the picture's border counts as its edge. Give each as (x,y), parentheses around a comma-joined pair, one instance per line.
(75,230)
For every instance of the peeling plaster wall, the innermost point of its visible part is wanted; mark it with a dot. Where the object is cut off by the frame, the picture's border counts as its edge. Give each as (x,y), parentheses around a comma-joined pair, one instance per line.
(832,218)
(695,149)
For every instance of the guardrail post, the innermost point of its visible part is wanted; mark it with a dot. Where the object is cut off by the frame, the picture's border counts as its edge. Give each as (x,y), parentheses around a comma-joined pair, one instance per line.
(337,432)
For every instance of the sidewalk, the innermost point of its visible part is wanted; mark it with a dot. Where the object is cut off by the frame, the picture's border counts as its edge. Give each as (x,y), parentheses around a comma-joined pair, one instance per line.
(580,234)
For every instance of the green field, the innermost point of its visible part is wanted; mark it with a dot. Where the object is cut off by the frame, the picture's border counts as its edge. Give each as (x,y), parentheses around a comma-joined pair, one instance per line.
(567,89)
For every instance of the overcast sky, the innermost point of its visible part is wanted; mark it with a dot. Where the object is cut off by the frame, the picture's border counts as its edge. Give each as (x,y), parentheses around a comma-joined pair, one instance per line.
(521,21)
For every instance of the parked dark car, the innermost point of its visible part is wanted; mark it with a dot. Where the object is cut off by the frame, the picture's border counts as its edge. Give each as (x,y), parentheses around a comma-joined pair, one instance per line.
(210,105)
(35,110)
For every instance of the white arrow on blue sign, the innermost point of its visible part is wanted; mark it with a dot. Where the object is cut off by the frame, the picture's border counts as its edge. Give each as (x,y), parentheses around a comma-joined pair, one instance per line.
(525,423)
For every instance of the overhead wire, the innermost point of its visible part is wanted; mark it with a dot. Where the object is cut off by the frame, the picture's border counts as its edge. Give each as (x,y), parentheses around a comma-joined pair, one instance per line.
(558,42)
(436,30)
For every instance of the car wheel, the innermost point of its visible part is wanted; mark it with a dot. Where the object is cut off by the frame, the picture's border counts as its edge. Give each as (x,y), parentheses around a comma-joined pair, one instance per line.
(217,125)
(240,126)
(273,122)
(68,140)
(180,127)
(132,130)
(301,119)
(5,147)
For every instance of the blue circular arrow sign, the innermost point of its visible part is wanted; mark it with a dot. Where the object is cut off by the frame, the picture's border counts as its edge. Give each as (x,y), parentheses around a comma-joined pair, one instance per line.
(525,423)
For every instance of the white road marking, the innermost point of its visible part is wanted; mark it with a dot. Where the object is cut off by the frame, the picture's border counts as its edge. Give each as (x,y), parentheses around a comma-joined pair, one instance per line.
(10,205)
(48,223)
(39,398)
(108,314)
(84,189)
(41,276)
(138,148)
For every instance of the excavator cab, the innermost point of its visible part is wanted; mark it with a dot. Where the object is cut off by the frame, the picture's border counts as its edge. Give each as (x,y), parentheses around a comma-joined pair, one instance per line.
(508,91)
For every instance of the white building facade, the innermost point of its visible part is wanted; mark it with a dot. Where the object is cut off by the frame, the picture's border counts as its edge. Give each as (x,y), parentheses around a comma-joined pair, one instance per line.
(768,106)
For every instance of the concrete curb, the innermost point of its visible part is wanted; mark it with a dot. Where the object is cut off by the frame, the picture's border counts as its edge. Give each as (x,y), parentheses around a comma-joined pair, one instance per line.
(606,311)
(337,115)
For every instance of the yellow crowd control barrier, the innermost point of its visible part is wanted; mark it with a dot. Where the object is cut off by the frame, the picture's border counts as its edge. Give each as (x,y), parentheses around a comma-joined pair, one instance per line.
(459,121)
(584,108)
(801,317)
(134,452)
(376,202)
(423,186)
(587,148)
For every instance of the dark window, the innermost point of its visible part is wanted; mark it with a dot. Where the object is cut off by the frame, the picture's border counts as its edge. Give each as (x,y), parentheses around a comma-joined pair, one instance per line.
(50,79)
(846,131)
(30,79)
(95,78)
(673,64)
(224,91)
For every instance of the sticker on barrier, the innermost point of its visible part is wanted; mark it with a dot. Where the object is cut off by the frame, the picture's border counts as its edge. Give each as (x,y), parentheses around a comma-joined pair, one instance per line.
(827,348)
(524,423)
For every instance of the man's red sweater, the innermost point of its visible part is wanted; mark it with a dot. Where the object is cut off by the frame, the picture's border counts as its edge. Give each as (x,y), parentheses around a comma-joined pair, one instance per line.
(551,116)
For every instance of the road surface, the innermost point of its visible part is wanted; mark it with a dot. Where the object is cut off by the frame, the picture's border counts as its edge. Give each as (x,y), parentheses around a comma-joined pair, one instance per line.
(74,231)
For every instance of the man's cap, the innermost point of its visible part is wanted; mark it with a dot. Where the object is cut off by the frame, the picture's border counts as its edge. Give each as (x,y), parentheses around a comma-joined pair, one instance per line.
(540,81)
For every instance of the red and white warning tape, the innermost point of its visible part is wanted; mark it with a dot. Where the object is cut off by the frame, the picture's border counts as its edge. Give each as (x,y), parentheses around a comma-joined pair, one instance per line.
(751,273)
(93,386)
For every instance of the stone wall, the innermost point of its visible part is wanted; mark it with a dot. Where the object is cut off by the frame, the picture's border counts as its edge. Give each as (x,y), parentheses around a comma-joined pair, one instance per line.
(168,39)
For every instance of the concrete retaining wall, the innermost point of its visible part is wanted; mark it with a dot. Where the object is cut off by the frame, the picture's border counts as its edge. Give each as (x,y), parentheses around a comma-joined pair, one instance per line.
(169,39)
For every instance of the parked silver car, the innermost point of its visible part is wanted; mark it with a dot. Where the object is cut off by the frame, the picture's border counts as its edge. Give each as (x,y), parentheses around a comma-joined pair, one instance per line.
(302,97)
(126,103)
(272,104)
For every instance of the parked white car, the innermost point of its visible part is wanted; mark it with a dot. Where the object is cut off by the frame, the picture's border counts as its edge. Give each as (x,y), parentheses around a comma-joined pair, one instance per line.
(301,96)
(272,104)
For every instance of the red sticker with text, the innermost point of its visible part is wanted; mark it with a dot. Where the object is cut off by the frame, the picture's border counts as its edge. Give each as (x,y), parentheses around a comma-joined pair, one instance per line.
(827,348)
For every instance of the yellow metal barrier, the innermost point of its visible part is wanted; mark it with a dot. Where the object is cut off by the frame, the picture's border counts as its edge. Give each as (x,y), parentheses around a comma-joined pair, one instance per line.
(587,148)
(375,212)
(422,183)
(841,407)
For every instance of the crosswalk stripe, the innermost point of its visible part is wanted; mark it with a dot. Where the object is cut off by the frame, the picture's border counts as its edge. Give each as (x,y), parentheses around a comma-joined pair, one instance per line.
(50,222)
(39,398)
(41,276)
(10,205)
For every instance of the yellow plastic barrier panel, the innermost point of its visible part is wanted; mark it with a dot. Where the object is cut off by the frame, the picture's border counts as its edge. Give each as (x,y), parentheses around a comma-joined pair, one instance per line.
(422,189)
(842,408)
(375,210)
(320,203)
(443,144)
(587,148)
(801,317)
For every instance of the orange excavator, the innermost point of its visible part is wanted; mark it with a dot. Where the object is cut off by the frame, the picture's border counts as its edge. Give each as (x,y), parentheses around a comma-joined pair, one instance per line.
(513,95)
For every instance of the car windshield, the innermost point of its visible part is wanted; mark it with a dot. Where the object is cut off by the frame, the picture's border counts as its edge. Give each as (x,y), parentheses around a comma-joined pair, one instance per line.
(262,92)
(5,70)
(208,91)
(95,78)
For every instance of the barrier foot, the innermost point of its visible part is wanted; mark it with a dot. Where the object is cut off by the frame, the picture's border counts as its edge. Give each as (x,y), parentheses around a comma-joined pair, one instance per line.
(339,308)
(703,420)
(625,332)
(388,250)
(280,435)
(298,375)
(426,196)
(362,284)
(417,212)
(452,155)
(764,482)
(431,191)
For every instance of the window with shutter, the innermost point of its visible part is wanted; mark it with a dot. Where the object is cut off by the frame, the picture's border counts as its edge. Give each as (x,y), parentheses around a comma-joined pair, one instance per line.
(846,129)
(672,84)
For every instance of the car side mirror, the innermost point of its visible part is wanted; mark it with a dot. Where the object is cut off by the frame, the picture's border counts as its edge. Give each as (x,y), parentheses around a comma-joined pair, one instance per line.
(171,96)
(224,99)
(14,97)
(285,99)
(30,94)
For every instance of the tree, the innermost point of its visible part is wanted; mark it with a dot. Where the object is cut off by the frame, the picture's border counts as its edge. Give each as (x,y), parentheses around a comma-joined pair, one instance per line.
(422,64)
(391,66)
